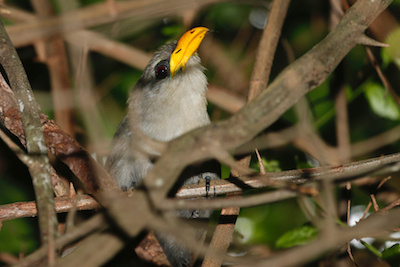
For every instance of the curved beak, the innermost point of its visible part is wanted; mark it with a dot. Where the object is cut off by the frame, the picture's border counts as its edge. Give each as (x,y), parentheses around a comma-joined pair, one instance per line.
(186,47)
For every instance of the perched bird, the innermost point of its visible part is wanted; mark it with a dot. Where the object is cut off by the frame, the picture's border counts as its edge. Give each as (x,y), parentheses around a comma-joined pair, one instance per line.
(168,100)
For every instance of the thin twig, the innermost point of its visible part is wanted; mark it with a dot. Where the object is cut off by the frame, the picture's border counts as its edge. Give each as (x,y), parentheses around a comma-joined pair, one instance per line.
(261,163)
(267,47)
(375,204)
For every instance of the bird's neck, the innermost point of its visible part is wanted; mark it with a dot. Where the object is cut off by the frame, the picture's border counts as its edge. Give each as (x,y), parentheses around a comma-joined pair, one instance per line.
(180,106)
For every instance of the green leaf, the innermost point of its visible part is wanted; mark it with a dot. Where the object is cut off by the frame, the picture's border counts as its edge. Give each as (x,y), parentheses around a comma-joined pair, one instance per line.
(371,248)
(172,31)
(17,237)
(302,164)
(270,165)
(392,53)
(296,237)
(381,102)
(392,255)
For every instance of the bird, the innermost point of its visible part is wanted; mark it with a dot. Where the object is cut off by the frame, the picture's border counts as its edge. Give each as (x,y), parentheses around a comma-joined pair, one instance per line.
(168,101)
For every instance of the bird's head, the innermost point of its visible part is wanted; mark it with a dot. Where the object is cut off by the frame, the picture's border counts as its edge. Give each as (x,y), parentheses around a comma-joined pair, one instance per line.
(170,97)
(174,57)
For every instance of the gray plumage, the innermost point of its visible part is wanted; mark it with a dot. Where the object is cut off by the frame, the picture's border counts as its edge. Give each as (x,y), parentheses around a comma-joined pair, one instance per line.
(163,109)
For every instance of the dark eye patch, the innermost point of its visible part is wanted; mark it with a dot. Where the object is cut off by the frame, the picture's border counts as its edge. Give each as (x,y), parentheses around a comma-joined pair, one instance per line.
(162,70)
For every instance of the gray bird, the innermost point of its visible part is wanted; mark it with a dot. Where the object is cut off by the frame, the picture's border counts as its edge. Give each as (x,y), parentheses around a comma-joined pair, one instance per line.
(168,100)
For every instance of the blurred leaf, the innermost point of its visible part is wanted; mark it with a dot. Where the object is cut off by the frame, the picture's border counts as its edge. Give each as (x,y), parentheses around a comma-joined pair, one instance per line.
(392,53)
(392,255)
(17,237)
(172,31)
(269,222)
(270,165)
(381,102)
(371,248)
(228,16)
(302,164)
(296,237)
(225,171)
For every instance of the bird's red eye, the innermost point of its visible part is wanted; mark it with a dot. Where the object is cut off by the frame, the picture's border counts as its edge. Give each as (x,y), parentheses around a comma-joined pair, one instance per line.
(161,72)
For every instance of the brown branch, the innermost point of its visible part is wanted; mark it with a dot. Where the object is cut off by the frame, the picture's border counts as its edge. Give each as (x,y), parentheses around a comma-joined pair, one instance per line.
(62,204)
(58,186)
(375,166)
(123,53)
(222,238)
(263,63)
(52,52)
(63,146)
(116,50)
(8,258)
(371,226)
(308,140)
(218,203)
(278,139)
(103,246)
(214,54)
(267,47)
(83,78)
(270,140)
(301,77)
(225,99)
(342,126)
(369,145)
(37,150)
(380,165)
(96,222)
(97,14)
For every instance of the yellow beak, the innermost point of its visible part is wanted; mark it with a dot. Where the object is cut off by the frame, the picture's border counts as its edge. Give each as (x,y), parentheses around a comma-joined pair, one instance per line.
(186,47)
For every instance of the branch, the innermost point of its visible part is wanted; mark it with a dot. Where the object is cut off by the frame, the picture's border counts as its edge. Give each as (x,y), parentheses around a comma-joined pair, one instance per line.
(267,47)
(373,225)
(97,14)
(36,147)
(96,222)
(63,146)
(62,204)
(259,80)
(376,166)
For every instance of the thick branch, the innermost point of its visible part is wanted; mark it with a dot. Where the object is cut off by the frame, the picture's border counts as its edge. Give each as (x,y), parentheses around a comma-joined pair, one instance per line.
(36,147)
(62,145)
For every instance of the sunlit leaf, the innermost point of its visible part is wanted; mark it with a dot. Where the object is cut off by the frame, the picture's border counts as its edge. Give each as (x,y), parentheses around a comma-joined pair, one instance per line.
(381,102)
(298,236)
(393,51)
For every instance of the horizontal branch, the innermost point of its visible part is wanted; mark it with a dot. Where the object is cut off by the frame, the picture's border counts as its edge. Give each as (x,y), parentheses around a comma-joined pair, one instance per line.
(62,204)
(23,34)
(376,166)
